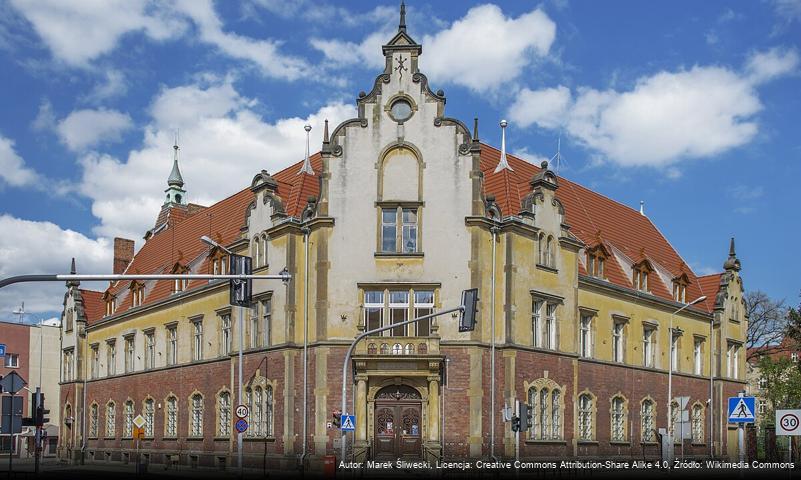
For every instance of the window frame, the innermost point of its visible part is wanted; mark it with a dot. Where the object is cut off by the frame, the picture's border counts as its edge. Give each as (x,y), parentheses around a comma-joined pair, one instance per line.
(399,226)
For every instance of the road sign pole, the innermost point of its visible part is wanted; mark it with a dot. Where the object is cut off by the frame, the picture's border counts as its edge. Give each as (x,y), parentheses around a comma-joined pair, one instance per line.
(239,434)
(741,436)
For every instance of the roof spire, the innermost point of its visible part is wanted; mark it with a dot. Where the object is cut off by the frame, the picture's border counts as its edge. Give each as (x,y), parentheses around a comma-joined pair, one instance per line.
(73,271)
(503,163)
(732,263)
(307,168)
(642,208)
(402,24)
(475,129)
(325,133)
(175,177)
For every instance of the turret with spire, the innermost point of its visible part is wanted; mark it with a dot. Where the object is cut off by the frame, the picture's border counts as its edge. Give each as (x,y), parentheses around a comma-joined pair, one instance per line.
(732,263)
(175,182)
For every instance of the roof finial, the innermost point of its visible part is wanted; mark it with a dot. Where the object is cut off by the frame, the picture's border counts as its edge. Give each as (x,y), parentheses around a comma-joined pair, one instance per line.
(325,132)
(307,168)
(475,129)
(642,207)
(732,263)
(175,177)
(73,270)
(731,248)
(503,163)
(402,24)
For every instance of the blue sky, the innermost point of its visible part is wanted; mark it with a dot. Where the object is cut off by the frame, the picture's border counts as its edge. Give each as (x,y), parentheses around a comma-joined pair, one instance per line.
(692,107)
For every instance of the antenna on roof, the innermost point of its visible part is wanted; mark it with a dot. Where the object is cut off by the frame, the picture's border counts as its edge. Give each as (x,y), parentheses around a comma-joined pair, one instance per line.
(558,157)
(642,208)
(503,163)
(307,168)
(20,312)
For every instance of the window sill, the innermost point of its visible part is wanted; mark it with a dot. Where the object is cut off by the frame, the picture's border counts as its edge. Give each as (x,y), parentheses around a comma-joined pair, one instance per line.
(533,441)
(259,439)
(547,268)
(194,439)
(649,443)
(109,438)
(169,439)
(587,442)
(398,255)
(620,443)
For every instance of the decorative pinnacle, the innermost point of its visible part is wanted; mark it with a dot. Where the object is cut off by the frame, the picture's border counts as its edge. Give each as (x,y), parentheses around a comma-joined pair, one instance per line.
(475,129)
(73,270)
(307,168)
(325,132)
(732,263)
(402,24)
(642,207)
(503,163)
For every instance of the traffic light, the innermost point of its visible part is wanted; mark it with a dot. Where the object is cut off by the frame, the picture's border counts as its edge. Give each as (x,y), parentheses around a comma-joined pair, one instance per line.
(35,403)
(337,422)
(40,411)
(525,417)
(240,291)
(467,321)
(515,423)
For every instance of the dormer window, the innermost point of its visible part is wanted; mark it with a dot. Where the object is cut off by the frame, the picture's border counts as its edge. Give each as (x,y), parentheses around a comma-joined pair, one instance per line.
(137,294)
(219,265)
(596,262)
(680,288)
(111,303)
(641,271)
(180,284)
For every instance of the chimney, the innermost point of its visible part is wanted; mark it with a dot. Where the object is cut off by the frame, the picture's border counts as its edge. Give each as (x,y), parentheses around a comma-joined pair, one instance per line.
(123,254)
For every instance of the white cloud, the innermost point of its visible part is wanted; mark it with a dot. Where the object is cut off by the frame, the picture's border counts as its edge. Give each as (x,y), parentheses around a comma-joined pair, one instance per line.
(223,144)
(486,49)
(45,118)
(765,66)
(665,117)
(113,85)
(79,32)
(366,53)
(21,252)
(789,9)
(12,167)
(83,129)
(545,107)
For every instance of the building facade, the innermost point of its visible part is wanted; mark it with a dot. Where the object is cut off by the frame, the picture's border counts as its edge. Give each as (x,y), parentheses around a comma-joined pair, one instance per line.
(32,351)
(401,210)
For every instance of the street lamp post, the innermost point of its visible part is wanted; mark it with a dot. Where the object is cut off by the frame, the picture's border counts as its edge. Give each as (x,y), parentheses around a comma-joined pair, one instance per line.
(668,428)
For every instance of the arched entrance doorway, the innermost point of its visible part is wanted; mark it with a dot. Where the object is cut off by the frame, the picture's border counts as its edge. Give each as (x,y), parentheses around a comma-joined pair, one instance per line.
(398,423)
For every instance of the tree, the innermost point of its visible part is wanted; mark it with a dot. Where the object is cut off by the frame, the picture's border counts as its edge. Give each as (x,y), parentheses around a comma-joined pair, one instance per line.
(794,326)
(781,384)
(767,324)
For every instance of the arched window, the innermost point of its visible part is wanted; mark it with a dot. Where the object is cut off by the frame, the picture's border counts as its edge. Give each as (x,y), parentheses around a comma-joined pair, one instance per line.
(550,253)
(258,411)
(585,414)
(224,414)
(545,401)
(148,412)
(648,420)
(264,259)
(93,414)
(196,425)
(268,420)
(256,252)
(171,420)
(127,430)
(111,419)
(618,417)
(698,423)
(541,249)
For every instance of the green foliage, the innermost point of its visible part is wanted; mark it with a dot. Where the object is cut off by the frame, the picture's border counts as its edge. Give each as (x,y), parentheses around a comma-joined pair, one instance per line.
(783,385)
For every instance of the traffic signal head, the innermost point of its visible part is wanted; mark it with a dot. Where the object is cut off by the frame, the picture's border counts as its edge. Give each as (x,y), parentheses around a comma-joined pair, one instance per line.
(526,421)
(515,424)
(240,291)
(40,411)
(467,321)
(337,422)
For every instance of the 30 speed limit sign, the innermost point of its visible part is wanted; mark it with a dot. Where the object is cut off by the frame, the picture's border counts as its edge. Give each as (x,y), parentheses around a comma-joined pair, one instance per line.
(242,411)
(788,422)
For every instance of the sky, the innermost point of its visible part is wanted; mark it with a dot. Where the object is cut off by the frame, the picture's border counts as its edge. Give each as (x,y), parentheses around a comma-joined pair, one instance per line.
(691,107)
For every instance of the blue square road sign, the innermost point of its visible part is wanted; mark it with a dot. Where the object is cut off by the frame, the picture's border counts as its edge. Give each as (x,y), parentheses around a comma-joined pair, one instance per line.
(348,423)
(742,410)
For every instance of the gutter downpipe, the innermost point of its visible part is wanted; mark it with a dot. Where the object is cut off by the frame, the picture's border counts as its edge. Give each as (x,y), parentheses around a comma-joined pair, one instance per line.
(305,453)
(494,230)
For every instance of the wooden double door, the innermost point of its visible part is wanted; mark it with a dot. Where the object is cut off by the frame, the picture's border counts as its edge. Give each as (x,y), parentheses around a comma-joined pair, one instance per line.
(398,429)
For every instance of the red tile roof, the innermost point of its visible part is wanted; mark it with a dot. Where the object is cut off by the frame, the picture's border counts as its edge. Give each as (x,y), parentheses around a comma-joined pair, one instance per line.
(710,284)
(93,305)
(590,214)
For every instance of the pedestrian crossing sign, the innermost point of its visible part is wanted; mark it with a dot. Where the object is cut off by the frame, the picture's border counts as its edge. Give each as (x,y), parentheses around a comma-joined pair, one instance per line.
(741,410)
(348,423)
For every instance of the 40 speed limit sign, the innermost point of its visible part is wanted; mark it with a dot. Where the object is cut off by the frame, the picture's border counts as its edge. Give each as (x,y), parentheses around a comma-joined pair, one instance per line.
(788,422)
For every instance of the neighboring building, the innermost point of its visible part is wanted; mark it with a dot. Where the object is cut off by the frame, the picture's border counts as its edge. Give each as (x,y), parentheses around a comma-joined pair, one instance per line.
(787,349)
(27,348)
(401,210)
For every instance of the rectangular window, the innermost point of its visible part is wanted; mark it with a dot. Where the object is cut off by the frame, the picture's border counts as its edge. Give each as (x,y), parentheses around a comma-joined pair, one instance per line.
(398,311)
(550,326)
(111,358)
(395,221)
(129,354)
(225,334)
(733,361)
(373,309)
(67,364)
(197,343)
(763,406)
(536,322)
(389,230)
(585,346)
(698,358)
(94,370)
(267,321)
(172,345)
(618,342)
(150,350)
(423,305)
(648,347)
(12,360)
(255,330)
